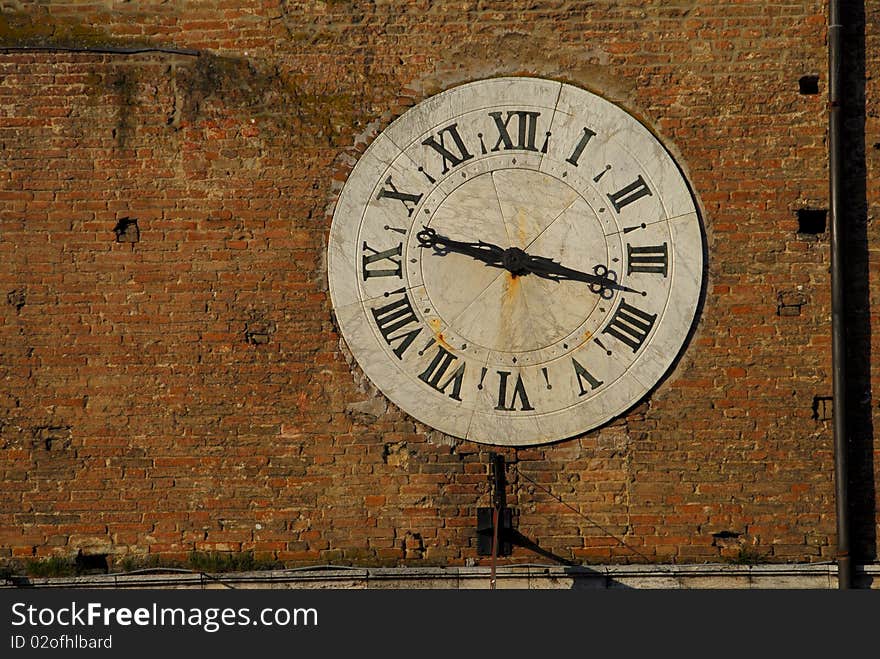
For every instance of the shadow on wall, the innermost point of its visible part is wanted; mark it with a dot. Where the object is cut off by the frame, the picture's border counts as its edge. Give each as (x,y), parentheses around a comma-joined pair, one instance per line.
(860,429)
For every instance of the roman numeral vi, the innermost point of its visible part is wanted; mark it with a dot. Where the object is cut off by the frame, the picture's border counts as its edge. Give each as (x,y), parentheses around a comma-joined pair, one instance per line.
(519,391)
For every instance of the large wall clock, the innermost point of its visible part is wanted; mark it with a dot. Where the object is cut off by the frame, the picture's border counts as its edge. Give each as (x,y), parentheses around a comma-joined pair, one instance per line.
(515,261)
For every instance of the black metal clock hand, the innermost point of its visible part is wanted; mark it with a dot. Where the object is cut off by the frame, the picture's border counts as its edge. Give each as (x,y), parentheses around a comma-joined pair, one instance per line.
(482,251)
(513,259)
(599,281)
(520,263)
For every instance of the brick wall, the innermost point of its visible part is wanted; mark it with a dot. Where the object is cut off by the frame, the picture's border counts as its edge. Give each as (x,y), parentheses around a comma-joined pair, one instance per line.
(172,379)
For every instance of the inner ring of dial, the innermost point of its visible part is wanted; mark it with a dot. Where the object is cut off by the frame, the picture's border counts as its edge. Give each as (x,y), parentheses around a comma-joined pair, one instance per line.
(514,209)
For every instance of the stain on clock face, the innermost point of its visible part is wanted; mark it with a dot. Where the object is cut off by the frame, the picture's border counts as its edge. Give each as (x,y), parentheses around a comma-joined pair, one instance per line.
(515,261)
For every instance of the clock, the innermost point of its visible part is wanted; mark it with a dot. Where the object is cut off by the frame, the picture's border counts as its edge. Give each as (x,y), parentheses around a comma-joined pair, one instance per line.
(515,261)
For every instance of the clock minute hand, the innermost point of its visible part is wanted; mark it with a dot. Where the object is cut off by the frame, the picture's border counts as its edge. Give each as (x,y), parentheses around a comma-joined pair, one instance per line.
(481,251)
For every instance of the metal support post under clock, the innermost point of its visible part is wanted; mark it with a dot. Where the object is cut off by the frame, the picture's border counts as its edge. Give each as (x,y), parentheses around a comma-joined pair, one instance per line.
(494,523)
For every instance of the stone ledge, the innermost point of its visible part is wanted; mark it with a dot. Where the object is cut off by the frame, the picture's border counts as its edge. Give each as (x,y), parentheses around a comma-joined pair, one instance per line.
(527,576)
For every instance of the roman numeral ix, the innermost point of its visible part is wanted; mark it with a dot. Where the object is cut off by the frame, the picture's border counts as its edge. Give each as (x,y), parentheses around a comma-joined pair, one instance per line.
(392,268)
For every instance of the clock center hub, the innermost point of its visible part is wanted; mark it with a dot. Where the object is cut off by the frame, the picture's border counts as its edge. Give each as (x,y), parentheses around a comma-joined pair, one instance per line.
(515,260)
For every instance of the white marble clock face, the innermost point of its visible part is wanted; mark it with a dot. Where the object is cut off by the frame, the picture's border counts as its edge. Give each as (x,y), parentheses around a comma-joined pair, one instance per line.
(515,261)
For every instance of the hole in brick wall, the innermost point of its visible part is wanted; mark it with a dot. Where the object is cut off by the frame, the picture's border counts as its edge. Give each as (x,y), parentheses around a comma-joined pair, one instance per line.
(726,535)
(53,437)
(811,221)
(789,303)
(91,563)
(822,408)
(16,298)
(258,330)
(809,84)
(127,230)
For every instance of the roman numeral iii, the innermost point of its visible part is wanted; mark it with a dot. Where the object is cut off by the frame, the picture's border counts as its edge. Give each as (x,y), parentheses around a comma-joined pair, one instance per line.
(652,259)
(630,325)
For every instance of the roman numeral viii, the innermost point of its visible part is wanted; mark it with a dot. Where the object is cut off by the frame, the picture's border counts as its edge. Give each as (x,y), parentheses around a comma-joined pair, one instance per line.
(630,325)
(394,316)
(392,268)
(651,259)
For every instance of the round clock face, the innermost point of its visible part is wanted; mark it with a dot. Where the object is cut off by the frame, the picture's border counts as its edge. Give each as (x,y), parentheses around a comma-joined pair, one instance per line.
(515,261)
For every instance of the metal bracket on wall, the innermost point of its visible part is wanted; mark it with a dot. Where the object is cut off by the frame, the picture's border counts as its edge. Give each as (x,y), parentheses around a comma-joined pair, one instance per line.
(486,515)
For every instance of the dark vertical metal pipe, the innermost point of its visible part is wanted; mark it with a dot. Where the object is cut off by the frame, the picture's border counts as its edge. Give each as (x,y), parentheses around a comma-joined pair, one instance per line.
(499,501)
(838,339)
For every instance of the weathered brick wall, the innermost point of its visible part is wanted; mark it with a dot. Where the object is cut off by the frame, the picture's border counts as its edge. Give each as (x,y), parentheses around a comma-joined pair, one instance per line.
(179,385)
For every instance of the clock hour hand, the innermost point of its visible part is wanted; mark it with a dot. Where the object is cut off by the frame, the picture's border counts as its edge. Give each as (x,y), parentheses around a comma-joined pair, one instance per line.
(481,251)
(603,281)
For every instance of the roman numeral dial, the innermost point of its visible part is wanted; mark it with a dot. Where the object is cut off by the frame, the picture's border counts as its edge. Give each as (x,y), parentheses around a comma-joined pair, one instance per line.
(513,261)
